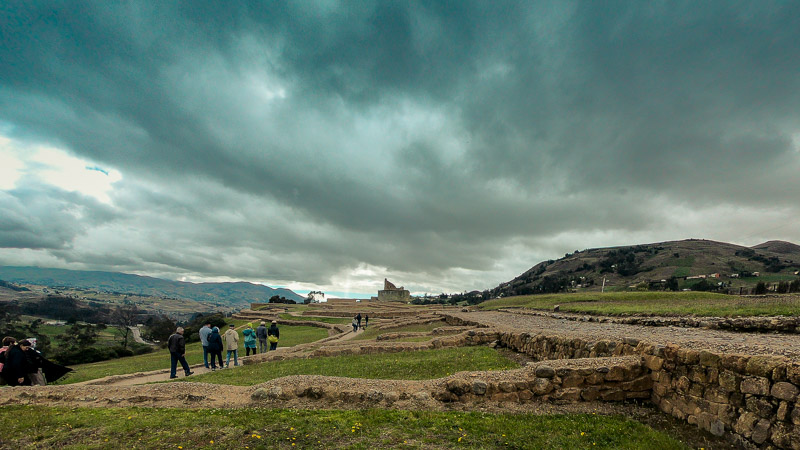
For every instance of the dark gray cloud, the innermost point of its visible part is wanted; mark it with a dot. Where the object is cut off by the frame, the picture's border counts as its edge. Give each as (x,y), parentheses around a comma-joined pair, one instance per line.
(300,141)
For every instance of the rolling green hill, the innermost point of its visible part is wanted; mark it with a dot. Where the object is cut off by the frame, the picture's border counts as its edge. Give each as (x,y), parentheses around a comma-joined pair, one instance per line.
(235,294)
(652,265)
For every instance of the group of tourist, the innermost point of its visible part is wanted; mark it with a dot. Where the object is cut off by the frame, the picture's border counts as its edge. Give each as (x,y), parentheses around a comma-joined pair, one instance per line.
(357,322)
(213,343)
(22,365)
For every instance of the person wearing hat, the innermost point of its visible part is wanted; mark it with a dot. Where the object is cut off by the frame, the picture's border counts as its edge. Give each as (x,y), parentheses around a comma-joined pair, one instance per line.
(261,334)
(215,348)
(232,345)
(273,334)
(249,339)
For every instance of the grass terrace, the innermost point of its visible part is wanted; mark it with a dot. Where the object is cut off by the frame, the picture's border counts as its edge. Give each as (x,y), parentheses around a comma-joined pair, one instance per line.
(418,365)
(654,303)
(290,336)
(109,428)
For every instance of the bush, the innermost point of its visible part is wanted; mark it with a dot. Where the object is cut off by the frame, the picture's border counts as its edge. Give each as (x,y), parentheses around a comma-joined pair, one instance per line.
(760,288)
(191,331)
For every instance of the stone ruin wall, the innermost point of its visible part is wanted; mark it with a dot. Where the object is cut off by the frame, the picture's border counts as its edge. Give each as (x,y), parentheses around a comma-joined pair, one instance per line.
(403,296)
(781,324)
(752,400)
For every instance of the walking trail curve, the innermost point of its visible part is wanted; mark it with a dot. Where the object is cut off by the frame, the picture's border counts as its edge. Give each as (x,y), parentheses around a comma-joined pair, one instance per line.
(154,376)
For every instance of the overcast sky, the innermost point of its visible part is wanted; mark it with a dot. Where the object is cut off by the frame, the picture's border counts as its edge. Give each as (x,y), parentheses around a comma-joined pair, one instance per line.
(447,146)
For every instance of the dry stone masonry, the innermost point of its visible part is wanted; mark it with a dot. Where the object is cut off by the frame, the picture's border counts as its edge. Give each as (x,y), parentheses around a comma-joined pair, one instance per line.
(752,400)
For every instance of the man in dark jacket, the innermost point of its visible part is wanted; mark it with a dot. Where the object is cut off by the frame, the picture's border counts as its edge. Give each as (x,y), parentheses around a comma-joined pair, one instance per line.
(261,334)
(15,367)
(177,352)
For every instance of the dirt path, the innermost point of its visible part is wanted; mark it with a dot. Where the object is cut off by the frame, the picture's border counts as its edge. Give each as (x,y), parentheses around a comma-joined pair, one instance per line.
(154,376)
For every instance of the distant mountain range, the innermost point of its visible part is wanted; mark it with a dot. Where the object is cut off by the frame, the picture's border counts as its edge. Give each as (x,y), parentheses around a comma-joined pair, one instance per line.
(689,261)
(238,293)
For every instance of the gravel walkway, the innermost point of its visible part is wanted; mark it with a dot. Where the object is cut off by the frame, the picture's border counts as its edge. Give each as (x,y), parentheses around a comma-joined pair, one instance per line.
(718,341)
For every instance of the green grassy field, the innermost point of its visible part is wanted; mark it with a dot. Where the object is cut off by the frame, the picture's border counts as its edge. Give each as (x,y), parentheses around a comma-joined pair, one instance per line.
(659,303)
(418,365)
(110,428)
(105,338)
(290,336)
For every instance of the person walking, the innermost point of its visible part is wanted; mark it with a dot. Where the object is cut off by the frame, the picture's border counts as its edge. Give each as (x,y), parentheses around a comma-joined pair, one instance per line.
(204,332)
(355,324)
(359,320)
(215,348)
(273,334)
(35,362)
(8,341)
(366,321)
(249,339)
(232,345)
(261,334)
(177,353)
(15,365)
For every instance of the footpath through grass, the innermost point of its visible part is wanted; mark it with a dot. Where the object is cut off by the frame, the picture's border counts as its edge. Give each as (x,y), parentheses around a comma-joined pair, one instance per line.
(418,365)
(657,303)
(290,336)
(46,427)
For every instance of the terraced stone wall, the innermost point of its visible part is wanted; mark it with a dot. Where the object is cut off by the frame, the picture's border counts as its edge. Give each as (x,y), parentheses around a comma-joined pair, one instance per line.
(780,324)
(752,400)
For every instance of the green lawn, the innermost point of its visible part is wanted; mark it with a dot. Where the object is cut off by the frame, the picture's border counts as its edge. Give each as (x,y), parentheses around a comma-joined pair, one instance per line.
(417,365)
(111,428)
(660,303)
(290,336)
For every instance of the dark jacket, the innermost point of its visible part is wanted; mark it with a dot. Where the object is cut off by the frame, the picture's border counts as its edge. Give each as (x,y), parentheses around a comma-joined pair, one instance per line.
(15,366)
(261,332)
(214,341)
(273,331)
(34,359)
(177,344)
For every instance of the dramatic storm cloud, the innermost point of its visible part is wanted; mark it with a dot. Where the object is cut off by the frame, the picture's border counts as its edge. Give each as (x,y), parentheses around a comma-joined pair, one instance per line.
(447,146)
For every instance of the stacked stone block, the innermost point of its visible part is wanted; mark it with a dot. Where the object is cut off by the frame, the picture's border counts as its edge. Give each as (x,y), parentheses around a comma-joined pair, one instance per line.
(752,400)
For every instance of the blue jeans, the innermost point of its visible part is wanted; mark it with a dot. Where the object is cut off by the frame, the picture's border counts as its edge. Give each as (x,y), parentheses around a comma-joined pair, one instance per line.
(205,356)
(235,358)
(174,358)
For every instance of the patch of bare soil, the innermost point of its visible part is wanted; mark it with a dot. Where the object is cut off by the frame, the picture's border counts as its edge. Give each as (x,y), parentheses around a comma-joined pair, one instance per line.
(520,358)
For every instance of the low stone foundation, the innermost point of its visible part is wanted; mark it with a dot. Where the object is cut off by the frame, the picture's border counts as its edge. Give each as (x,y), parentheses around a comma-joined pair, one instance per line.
(776,324)
(752,400)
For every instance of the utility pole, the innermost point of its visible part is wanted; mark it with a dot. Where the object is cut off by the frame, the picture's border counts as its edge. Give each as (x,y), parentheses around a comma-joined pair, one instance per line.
(603,289)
